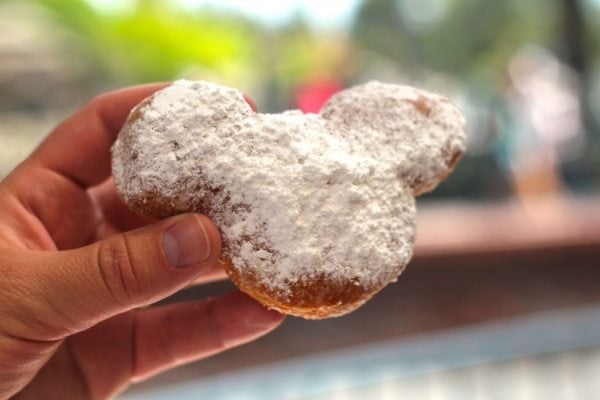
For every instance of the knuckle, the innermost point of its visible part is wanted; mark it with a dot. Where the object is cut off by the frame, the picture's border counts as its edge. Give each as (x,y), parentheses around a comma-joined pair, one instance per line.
(118,271)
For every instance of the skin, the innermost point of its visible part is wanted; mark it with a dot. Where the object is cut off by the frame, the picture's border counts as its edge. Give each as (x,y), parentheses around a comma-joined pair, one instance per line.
(78,270)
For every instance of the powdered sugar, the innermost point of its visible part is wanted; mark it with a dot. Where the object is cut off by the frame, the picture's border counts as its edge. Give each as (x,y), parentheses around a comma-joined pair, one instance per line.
(296,196)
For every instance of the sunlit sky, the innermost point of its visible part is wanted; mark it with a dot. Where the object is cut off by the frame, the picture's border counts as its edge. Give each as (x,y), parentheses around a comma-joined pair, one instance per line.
(321,13)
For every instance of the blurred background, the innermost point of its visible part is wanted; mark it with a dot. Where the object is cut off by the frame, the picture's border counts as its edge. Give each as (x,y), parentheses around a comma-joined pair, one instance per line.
(502,300)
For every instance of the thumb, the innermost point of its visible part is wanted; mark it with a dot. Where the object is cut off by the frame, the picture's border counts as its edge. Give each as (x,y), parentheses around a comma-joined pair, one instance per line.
(69,291)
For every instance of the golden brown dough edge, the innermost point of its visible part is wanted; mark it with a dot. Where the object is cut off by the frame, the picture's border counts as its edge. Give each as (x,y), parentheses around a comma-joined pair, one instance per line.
(451,160)
(314,298)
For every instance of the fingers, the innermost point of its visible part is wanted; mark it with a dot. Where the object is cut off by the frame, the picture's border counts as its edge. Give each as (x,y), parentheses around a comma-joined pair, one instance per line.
(60,293)
(135,345)
(180,333)
(114,210)
(79,148)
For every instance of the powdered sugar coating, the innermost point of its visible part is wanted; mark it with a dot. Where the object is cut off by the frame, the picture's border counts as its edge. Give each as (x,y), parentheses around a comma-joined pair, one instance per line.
(295,196)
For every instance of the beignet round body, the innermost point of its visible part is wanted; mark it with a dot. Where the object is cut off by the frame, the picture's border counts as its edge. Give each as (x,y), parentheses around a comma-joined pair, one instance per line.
(316,211)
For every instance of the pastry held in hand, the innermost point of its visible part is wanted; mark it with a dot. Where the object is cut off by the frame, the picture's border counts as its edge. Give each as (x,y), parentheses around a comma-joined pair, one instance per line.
(316,211)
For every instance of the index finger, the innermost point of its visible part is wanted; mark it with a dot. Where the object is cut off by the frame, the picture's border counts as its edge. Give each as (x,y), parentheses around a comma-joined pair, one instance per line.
(79,148)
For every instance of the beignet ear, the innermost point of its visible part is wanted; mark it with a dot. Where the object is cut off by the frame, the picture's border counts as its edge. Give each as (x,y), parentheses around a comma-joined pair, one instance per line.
(420,134)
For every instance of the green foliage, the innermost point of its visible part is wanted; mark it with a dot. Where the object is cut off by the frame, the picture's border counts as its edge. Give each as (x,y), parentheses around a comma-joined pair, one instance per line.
(158,41)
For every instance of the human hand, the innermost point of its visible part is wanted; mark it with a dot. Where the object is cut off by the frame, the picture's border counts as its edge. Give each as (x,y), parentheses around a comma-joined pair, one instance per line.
(77,266)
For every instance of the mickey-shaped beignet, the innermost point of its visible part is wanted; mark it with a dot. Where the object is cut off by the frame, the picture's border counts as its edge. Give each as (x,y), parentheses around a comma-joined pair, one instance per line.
(316,211)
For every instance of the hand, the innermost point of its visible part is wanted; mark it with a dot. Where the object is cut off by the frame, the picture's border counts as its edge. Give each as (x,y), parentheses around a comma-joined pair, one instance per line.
(73,284)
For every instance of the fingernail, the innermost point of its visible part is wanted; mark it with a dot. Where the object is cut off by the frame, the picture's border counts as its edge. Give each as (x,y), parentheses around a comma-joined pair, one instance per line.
(266,319)
(186,243)
(258,316)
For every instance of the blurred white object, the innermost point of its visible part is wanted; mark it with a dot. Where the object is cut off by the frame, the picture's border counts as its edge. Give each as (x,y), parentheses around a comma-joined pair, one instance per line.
(545,98)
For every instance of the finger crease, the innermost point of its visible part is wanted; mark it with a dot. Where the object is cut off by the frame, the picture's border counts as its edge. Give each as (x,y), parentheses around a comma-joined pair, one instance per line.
(132,269)
(101,270)
(215,327)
